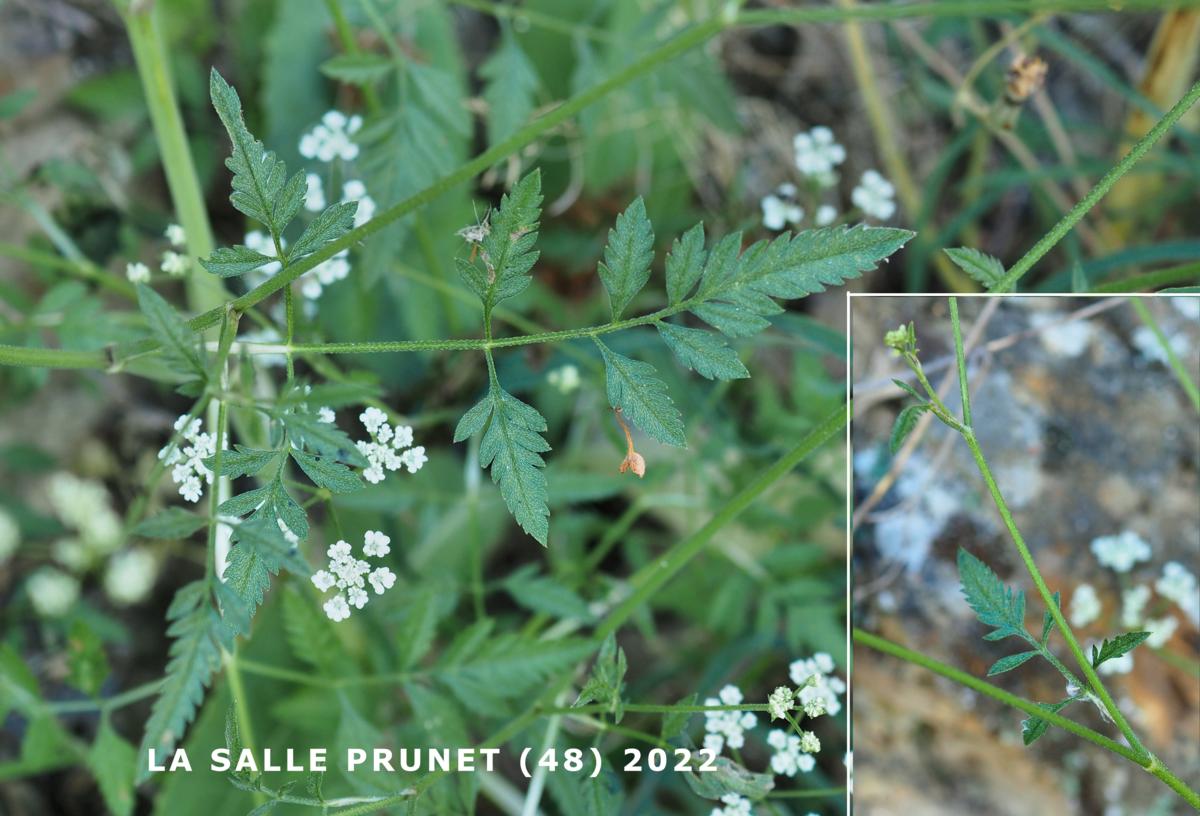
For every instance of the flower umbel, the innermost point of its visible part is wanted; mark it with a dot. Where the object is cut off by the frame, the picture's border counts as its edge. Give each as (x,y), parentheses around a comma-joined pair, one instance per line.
(350,575)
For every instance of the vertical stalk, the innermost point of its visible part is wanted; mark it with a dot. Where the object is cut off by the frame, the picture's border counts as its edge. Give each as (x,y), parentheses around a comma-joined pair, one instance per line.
(961,359)
(1047,596)
(149,52)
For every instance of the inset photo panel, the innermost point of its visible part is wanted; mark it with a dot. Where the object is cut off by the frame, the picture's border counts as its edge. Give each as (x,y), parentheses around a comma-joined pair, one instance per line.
(1025,533)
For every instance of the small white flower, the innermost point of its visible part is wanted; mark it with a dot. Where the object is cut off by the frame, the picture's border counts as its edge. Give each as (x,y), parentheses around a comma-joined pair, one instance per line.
(788,759)
(331,138)
(337,609)
(1133,604)
(728,727)
(735,805)
(325,415)
(323,580)
(780,702)
(826,215)
(130,576)
(187,458)
(174,264)
(777,213)
(403,436)
(565,378)
(372,418)
(1179,585)
(52,592)
(815,680)
(815,707)
(414,458)
(875,196)
(338,551)
(1085,605)
(375,544)
(357,597)
(1161,630)
(817,152)
(137,272)
(1121,552)
(809,743)
(175,235)
(314,196)
(10,535)
(382,579)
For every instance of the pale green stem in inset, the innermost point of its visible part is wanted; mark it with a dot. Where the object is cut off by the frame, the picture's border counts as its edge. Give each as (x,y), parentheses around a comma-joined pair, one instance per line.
(1176,365)
(1056,234)
(1147,761)
(1010,524)
(962,365)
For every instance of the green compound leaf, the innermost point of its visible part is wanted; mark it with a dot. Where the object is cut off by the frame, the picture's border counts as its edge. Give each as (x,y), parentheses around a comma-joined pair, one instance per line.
(113,762)
(506,253)
(727,776)
(505,667)
(1117,647)
(1011,662)
(983,268)
(703,352)
(180,345)
(334,222)
(545,594)
(685,263)
(604,684)
(908,389)
(261,188)
(228,262)
(627,257)
(511,82)
(905,422)
(327,473)
(308,431)
(1032,728)
(511,447)
(242,461)
(357,69)
(172,523)
(788,267)
(634,387)
(195,654)
(1048,619)
(995,604)
(673,724)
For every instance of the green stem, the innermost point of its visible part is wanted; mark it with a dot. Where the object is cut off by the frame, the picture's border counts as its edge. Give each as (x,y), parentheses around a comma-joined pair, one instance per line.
(1176,365)
(1048,597)
(1143,145)
(966,9)
(149,52)
(961,359)
(52,358)
(1186,273)
(650,578)
(125,698)
(1147,761)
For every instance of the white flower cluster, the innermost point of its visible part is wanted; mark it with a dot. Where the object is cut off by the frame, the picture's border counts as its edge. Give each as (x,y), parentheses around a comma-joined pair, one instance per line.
(780,208)
(565,379)
(352,190)
(1179,585)
(817,154)
(186,459)
(130,576)
(312,282)
(727,727)
(790,757)
(137,272)
(734,805)
(1120,552)
(330,139)
(52,592)
(816,680)
(386,448)
(1085,605)
(875,196)
(351,575)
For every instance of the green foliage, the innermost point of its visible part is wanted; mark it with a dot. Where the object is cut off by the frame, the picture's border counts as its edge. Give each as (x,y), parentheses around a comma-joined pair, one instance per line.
(1011,662)
(729,777)
(1117,647)
(181,349)
(983,268)
(506,253)
(604,683)
(545,594)
(635,389)
(1032,728)
(626,266)
(509,92)
(172,523)
(995,604)
(357,69)
(512,445)
(86,660)
(1048,619)
(906,420)
(113,762)
(505,667)
(703,352)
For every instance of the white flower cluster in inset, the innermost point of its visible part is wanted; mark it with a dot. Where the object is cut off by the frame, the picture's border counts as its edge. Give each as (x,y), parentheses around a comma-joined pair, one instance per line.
(817,154)
(1085,605)
(1121,552)
(386,449)
(727,727)
(780,208)
(175,235)
(355,190)
(173,263)
(186,459)
(330,139)
(1179,585)
(875,196)
(350,575)
(815,680)
(734,805)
